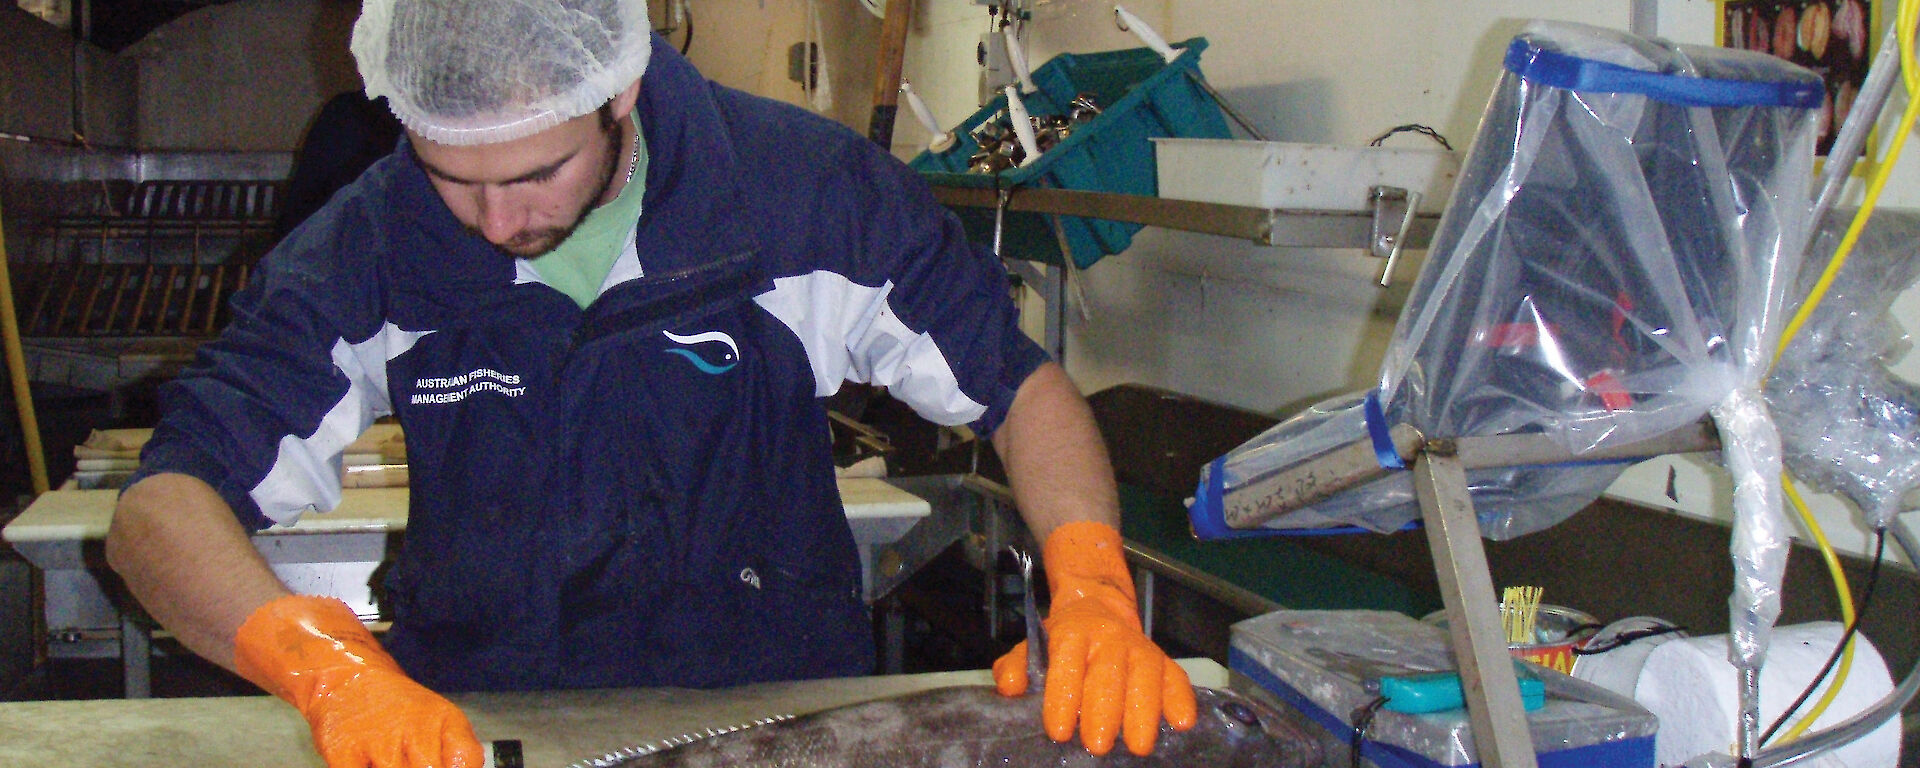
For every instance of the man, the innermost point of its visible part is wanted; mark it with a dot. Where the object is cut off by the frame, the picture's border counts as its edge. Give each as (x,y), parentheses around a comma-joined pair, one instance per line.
(606,299)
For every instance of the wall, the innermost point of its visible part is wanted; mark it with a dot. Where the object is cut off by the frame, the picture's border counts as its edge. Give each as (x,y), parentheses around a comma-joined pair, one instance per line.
(36,102)
(249,75)
(743,44)
(1273,329)
(36,84)
(242,76)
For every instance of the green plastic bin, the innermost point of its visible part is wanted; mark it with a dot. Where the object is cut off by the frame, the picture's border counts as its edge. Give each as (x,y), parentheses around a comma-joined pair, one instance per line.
(1142,96)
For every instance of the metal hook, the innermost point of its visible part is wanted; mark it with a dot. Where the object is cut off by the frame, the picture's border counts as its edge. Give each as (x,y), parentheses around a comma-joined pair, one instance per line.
(1118,21)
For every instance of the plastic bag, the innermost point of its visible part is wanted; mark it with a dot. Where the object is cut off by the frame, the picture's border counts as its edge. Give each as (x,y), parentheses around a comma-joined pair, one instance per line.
(1849,424)
(1608,269)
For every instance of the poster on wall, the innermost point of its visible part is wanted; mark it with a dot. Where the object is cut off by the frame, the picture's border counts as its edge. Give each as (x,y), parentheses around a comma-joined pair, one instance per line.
(1829,37)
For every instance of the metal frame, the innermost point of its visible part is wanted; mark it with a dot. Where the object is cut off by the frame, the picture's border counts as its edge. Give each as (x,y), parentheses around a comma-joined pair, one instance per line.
(1439,467)
(1390,225)
(1500,733)
(1266,226)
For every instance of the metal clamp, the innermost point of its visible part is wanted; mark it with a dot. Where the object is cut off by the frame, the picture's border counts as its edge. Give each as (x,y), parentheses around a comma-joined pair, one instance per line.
(1393,211)
(1002,200)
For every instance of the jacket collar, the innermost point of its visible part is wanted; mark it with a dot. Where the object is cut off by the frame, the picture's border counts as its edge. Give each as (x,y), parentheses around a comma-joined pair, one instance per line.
(693,195)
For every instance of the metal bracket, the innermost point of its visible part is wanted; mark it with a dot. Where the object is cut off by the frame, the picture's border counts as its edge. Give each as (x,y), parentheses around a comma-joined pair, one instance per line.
(1393,212)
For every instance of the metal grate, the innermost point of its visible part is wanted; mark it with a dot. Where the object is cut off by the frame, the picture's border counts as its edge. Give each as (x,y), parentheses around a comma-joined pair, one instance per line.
(162,265)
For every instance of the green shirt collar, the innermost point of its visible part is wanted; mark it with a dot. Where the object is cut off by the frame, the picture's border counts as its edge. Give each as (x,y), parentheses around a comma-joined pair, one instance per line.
(579,266)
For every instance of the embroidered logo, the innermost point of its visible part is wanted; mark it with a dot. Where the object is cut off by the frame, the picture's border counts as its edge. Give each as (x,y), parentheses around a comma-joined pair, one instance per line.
(712,352)
(453,389)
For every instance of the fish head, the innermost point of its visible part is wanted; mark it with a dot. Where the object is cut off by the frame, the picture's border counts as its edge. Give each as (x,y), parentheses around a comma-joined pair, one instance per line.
(1251,734)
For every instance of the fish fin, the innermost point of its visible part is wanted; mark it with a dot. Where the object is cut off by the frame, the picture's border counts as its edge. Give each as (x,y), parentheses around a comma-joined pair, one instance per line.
(637,751)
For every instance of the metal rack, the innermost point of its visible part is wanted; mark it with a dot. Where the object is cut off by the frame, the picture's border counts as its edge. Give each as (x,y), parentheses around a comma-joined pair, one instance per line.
(161,264)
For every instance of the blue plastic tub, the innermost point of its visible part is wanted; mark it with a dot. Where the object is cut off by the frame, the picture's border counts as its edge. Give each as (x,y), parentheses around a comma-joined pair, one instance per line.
(1143,97)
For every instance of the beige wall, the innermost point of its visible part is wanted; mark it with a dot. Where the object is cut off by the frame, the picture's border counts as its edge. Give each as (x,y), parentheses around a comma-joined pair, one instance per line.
(242,76)
(743,44)
(248,76)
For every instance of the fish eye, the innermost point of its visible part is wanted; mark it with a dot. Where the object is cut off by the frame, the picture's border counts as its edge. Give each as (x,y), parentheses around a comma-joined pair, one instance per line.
(1240,713)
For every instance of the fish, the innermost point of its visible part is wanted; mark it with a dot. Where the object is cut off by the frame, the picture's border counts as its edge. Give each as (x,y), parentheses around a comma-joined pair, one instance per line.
(968,726)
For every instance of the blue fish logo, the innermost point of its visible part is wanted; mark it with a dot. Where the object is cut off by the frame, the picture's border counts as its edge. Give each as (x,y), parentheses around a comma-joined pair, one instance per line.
(702,348)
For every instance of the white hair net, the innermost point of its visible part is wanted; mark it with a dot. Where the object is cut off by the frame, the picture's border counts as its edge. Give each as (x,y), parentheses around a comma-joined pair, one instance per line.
(466,72)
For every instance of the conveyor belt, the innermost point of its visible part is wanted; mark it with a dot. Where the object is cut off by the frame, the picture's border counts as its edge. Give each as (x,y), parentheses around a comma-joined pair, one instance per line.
(1273,569)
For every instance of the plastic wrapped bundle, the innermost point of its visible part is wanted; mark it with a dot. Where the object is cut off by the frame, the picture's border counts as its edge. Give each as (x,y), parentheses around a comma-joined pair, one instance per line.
(1608,269)
(1848,424)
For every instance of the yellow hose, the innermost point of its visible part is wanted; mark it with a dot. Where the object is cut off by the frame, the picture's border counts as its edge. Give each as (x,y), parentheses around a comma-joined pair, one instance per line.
(1905,19)
(17,371)
(1846,614)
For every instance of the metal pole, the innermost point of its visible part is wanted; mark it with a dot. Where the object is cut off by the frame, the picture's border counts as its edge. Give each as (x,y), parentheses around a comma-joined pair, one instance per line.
(30,431)
(1500,733)
(1852,139)
(17,371)
(890,60)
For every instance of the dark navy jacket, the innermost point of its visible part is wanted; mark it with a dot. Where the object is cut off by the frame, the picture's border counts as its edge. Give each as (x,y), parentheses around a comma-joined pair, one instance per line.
(640,493)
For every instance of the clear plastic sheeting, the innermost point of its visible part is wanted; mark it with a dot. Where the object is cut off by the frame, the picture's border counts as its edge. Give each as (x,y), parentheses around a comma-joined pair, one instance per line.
(1848,423)
(1750,447)
(1609,268)
(465,72)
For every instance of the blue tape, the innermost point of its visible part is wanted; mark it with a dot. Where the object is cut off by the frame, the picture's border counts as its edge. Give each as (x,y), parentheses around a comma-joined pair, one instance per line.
(1208,515)
(1383,449)
(1576,74)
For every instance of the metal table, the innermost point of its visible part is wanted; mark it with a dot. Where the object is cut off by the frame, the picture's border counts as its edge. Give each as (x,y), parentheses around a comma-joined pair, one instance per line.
(898,526)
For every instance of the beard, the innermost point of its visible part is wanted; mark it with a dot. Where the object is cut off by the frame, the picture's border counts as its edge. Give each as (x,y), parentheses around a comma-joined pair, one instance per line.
(533,243)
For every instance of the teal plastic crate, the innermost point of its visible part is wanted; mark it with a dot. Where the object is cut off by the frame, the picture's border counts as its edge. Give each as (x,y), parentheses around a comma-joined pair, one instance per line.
(1142,97)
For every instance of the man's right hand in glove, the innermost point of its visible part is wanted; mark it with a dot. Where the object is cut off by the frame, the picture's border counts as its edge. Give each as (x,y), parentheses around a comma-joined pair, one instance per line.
(181,552)
(365,713)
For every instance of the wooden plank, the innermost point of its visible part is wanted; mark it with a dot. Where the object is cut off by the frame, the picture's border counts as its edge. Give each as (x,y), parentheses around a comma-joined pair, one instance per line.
(886,86)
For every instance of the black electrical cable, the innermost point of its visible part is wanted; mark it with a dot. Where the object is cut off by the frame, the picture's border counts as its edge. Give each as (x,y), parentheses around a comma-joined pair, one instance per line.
(1363,722)
(1413,128)
(667,32)
(1627,637)
(1866,599)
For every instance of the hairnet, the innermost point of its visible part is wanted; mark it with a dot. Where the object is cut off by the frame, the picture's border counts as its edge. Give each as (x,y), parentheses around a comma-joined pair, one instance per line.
(468,72)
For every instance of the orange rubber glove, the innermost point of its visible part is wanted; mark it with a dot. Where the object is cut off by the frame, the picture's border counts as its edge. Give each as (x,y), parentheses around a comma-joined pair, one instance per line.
(1103,671)
(314,653)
